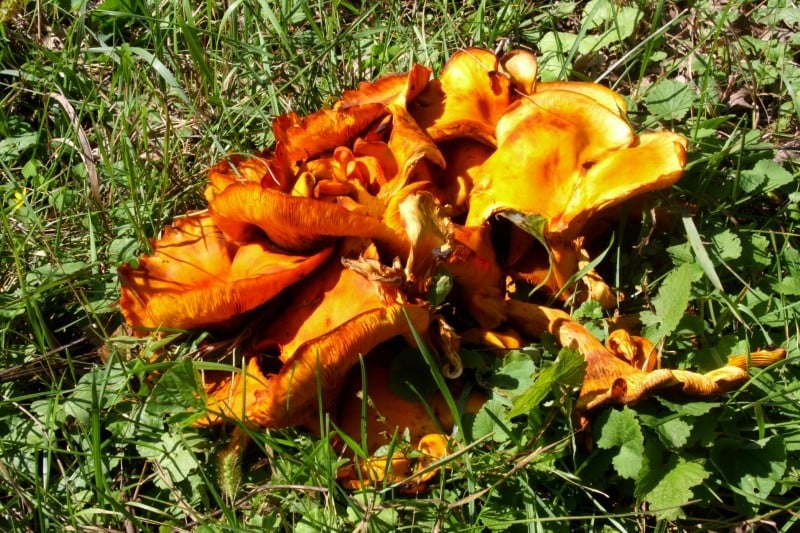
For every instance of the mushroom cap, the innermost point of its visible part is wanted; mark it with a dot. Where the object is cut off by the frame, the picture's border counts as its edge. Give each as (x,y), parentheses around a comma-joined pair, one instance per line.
(564,156)
(467,99)
(391,89)
(244,211)
(313,374)
(335,318)
(197,278)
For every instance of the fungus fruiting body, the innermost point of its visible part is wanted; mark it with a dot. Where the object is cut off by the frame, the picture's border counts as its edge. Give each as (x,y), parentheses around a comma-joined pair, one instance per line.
(404,215)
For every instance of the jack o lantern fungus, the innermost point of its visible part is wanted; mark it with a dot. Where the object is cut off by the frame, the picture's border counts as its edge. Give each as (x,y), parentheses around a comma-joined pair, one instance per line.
(389,417)
(335,318)
(243,211)
(565,155)
(341,233)
(467,99)
(611,377)
(197,278)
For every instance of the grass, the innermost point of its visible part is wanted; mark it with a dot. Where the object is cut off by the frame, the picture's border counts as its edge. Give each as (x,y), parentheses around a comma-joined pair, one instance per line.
(110,115)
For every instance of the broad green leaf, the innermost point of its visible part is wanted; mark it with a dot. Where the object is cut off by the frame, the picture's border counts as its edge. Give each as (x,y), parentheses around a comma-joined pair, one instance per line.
(515,376)
(620,21)
(760,250)
(674,432)
(12,147)
(30,170)
(789,286)
(766,175)
(670,304)
(570,368)
(681,253)
(598,12)
(590,313)
(560,43)
(491,419)
(778,13)
(728,245)
(176,456)
(100,389)
(674,490)
(791,255)
(756,471)
(590,309)
(622,430)
(123,249)
(688,408)
(177,391)
(669,100)
(567,371)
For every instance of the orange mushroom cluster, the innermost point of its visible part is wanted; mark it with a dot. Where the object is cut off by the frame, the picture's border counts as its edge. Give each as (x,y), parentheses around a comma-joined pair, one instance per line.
(324,249)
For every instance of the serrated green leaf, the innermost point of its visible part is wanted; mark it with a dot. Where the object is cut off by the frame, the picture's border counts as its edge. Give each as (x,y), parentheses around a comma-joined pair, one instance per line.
(688,408)
(674,432)
(791,255)
(766,175)
(674,490)
(681,253)
(591,312)
(567,370)
(670,304)
(123,249)
(102,388)
(177,391)
(728,245)
(570,368)
(756,471)
(620,20)
(669,100)
(622,430)
(760,250)
(175,454)
(492,418)
(560,43)
(11,147)
(598,12)
(515,376)
(590,309)
(31,169)
(789,286)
